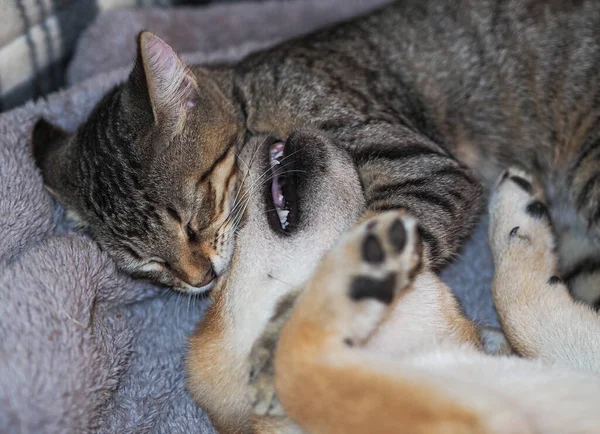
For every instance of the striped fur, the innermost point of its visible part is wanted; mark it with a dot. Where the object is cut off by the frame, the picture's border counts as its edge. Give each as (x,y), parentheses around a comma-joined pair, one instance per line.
(429,100)
(139,177)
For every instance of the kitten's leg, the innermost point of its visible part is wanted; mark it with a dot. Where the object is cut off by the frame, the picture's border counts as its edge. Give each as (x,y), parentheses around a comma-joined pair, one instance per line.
(539,317)
(400,168)
(329,383)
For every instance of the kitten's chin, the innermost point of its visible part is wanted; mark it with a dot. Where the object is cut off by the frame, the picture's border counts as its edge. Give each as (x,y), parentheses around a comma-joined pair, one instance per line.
(195,290)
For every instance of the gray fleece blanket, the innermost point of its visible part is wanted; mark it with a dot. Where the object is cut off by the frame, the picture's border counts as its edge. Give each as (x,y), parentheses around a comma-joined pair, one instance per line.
(84,348)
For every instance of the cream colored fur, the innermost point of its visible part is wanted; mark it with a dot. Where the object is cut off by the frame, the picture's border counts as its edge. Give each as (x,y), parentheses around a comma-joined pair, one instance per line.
(415,366)
(423,347)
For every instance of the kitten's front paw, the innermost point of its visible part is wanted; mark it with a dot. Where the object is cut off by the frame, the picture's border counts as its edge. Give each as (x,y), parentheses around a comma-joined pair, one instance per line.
(261,381)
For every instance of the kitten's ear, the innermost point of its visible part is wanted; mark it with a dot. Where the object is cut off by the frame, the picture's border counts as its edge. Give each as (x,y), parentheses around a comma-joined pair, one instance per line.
(51,151)
(169,83)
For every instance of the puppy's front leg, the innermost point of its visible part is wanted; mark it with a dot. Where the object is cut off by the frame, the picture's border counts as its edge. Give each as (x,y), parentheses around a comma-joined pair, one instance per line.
(539,317)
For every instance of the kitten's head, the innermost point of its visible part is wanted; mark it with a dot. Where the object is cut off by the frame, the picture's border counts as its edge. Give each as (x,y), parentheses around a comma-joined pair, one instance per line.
(152,173)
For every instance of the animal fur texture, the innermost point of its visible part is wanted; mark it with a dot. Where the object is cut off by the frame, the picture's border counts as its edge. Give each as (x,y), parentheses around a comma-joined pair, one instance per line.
(393,111)
(116,364)
(397,354)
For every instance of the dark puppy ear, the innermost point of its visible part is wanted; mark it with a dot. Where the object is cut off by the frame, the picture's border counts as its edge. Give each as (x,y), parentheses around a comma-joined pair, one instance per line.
(52,153)
(44,137)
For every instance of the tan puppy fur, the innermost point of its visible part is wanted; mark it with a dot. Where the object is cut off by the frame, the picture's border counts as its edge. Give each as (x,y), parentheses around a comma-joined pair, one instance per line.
(352,359)
(218,363)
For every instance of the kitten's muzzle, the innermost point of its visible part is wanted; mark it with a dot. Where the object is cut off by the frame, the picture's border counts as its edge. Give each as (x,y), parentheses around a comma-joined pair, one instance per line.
(208,278)
(195,280)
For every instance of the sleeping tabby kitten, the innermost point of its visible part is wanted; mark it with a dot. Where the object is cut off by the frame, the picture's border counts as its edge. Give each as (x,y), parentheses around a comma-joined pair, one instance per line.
(415,93)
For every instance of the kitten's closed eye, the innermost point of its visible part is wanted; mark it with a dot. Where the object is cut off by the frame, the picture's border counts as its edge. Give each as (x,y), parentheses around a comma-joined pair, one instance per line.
(154,264)
(174,214)
(192,235)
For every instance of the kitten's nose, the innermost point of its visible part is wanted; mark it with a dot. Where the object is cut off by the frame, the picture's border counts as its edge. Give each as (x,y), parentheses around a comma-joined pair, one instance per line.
(196,278)
(193,270)
(208,277)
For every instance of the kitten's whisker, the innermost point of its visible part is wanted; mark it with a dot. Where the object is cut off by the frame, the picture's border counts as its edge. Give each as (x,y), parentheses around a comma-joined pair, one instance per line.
(280,280)
(169,296)
(248,166)
(267,171)
(188,305)
(260,182)
(240,202)
(244,196)
(244,202)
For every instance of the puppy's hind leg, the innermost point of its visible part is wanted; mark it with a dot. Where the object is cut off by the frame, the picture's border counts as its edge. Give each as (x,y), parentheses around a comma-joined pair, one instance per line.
(326,380)
(539,317)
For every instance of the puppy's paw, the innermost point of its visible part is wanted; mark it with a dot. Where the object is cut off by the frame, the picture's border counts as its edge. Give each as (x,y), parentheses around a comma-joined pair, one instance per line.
(366,270)
(520,223)
(522,238)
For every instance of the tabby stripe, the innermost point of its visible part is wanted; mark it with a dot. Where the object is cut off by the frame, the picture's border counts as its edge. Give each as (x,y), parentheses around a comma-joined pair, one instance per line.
(132,252)
(383,191)
(596,216)
(455,195)
(392,153)
(218,160)
(458,172)
(333,124)
(431,241)
(585,191)
(225,194)
(431,198)
(391,193)
(584,153)
(210,199)
(239,98)
(585,266)
(174,214)
(383,207)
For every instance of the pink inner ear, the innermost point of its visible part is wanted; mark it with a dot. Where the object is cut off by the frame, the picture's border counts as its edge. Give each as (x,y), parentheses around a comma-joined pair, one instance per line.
(171,83)
(160,55)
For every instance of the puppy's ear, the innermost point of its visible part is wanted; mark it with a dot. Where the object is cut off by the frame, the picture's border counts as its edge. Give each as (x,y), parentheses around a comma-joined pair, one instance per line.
(53,156)
(45,133)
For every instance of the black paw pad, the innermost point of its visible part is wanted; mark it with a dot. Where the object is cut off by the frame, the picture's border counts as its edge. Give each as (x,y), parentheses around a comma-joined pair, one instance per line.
(554,280)
(523,183)
(367,287)
(537,210)
(372,250)
(397,234)
(514,231)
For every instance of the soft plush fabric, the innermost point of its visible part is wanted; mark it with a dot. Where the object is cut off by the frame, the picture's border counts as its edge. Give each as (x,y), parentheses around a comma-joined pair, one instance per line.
(84,348)
(37,38)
